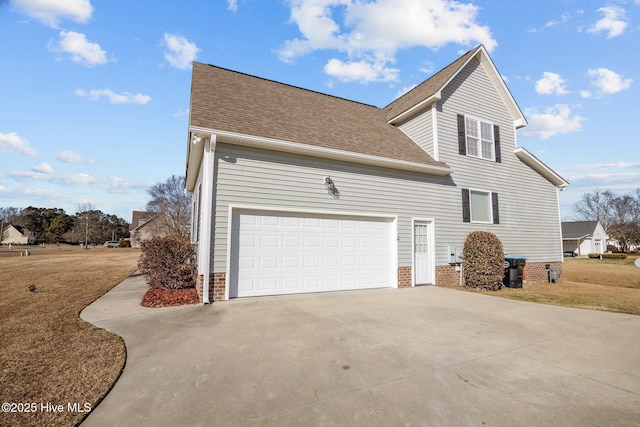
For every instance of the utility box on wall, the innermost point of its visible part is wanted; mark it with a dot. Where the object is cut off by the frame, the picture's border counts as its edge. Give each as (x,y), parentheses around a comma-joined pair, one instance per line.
(455,255)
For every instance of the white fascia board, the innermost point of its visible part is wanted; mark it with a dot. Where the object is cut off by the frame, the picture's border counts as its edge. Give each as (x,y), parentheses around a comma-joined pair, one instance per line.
(195,152)
(519,119)
(534,163)
(420,106)
(322,152)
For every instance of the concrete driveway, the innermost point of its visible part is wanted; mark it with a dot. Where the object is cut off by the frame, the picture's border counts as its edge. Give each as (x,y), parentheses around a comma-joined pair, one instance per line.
(387,357)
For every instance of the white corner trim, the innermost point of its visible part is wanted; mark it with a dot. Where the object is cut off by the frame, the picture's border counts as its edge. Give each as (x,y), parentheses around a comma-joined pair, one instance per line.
(434,130)
(206,205)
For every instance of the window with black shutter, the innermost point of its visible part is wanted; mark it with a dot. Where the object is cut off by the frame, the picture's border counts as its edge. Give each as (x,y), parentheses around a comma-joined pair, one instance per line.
(480,206)
(478,138)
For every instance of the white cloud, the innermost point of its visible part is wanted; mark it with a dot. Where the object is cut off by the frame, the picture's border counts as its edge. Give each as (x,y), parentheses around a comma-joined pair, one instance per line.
(181,52)
(551,84)
(364,32)
(43,167)
(71,157)
(181,113)
(232,5)
(13,142)
(360,71)
(114,98)
(619,165)
(563,18)
(552,121)
(607,81)
(81,50)
(113,185)
(614,22)
(51,12)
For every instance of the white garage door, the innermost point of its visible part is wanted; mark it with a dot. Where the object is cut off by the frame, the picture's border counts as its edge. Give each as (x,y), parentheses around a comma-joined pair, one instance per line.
(278,253)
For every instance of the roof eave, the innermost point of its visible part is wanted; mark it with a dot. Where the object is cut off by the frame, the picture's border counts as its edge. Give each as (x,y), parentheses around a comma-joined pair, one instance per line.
(534,163)
(315,151)
(418,108)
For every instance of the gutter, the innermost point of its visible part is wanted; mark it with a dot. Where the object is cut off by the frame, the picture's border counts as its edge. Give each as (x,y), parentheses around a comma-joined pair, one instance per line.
(322,152)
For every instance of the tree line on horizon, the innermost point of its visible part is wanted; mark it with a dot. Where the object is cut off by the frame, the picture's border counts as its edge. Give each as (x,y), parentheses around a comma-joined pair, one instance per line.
(54,225)
(91,225)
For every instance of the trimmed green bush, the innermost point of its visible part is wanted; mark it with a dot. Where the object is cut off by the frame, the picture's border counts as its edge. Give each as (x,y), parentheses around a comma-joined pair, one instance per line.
(608,256)
(124,243)
(168,262)
(483,261)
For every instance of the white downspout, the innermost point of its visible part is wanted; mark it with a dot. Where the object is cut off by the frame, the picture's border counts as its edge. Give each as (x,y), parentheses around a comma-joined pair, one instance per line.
(207,214)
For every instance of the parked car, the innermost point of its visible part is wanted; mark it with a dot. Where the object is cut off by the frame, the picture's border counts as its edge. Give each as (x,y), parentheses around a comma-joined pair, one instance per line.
(111,244)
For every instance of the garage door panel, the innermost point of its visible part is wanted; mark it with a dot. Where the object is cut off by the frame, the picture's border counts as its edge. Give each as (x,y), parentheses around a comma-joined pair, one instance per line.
(280,253)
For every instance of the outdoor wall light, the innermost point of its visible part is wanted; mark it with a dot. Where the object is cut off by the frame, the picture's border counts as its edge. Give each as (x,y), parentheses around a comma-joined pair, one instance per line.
(196,139)
(328,184)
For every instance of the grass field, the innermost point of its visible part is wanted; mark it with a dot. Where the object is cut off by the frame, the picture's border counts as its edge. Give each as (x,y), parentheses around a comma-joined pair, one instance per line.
(607,285)
(47,353)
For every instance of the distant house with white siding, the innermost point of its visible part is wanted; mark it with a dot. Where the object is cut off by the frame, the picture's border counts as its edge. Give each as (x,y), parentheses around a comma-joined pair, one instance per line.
(16,235)
(581,238)
(298,191)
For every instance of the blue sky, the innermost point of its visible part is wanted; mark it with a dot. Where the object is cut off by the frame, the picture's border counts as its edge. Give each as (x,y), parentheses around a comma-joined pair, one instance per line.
(94,94)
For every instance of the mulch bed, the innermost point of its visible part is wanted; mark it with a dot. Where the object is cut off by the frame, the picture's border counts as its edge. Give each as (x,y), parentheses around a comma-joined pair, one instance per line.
(156,297)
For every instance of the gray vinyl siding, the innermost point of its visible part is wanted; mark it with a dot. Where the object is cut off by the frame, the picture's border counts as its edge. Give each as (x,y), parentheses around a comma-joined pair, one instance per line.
(420,131)
(263,178)
(528,203)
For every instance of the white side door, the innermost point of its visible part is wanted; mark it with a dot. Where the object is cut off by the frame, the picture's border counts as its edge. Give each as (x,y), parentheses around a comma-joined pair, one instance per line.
(422,268)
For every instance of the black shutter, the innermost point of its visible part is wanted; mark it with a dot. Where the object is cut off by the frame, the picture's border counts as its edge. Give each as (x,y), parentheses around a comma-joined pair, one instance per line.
(466,206)
(496,140)
(494,206)
(462,139)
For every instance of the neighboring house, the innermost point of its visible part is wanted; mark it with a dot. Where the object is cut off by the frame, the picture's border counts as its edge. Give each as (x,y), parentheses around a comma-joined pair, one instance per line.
(581,238)
(16,235)
(145,226)
(297,191)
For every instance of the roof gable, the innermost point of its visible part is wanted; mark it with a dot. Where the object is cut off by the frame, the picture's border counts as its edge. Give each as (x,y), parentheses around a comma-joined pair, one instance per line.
(429,91)
(235,103)
(578,229)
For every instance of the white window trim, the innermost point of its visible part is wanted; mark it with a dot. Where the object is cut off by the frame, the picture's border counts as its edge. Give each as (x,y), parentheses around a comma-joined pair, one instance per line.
(493,138)
(487,192)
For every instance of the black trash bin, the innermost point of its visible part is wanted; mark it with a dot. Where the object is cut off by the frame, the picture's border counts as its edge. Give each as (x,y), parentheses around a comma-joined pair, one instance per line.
(513,271)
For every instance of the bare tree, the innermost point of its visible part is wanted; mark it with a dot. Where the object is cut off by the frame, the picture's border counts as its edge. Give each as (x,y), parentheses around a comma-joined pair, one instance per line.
(596,206)
(170,199)
(619,215)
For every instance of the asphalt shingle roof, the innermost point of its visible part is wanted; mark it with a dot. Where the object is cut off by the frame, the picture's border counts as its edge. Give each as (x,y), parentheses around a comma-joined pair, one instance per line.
(230,101)
(578,229)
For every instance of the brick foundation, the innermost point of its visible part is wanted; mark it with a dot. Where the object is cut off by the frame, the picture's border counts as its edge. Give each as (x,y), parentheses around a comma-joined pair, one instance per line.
(446,275)
(535,272)
(217,286)
(404,277)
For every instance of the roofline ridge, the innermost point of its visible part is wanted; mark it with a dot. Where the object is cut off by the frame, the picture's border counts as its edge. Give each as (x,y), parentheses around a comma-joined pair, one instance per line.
(433,75)
(289,85)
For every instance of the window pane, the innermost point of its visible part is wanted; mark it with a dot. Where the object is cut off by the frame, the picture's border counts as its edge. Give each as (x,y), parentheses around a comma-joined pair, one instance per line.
(487,150)
(472,146)
(480,206)
(487,131)
(472,128)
